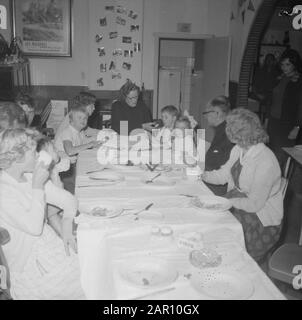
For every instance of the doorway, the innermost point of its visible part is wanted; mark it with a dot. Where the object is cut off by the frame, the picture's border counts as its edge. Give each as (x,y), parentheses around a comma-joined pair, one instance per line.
(190,70)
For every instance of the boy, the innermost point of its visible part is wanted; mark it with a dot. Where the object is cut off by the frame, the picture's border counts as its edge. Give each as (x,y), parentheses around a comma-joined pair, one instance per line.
(72,141)
(169,115)
(86,101)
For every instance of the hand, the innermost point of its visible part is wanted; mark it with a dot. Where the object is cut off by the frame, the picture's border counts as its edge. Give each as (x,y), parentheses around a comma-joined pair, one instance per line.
(149,126)
(40,176)
(69,238)
(95,144)
(293,134)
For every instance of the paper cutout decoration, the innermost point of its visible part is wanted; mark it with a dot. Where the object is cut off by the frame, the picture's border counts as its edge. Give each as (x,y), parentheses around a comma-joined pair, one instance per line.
(98,38)
(116,75)
(251,6)
(117,52)
(103,22)
(103,67)
(102,52)
(127,40)
(120,20)
(100,82)
(132,14)
(121,10)
(109,8)
(112,66)
(113,35)
(134,27)
(127,66)
(137,47)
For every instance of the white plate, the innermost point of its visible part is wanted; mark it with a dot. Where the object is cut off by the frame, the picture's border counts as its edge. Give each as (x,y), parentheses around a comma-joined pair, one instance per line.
(160,181)
(112,211)
(106,177)
(222,284)
(148,273)
(212,204)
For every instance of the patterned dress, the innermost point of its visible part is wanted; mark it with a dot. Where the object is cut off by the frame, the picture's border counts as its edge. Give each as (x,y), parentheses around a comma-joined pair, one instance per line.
(258,239)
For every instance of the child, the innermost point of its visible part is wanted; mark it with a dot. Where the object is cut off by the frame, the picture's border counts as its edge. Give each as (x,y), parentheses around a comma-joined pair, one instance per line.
(86,101)
(72,141)
(184,144)
(169,115)
(69,202)
(27,104)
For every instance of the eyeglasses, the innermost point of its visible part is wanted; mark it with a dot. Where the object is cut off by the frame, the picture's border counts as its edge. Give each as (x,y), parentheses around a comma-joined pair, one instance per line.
(206,112)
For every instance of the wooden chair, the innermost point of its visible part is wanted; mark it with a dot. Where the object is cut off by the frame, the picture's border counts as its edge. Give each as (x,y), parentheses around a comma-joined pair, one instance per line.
(4,287)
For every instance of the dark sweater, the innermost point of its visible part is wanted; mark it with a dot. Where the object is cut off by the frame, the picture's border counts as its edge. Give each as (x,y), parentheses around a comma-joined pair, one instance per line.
(136,116)
(219,151)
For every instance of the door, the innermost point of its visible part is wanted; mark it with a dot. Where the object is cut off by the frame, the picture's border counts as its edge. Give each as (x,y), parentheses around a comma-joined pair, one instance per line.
(214,78)
(169,89)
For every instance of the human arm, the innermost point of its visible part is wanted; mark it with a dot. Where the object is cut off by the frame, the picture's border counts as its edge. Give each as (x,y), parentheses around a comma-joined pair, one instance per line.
(263,179)
(72,150)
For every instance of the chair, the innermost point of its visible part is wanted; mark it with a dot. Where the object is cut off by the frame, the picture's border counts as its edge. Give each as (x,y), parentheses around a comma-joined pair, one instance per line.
(287,256)
(4,288)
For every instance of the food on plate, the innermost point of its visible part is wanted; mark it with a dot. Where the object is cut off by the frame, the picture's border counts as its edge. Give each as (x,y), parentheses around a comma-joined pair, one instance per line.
(190,240)
(146,282)
(99,212)
(205,258)
(209,206)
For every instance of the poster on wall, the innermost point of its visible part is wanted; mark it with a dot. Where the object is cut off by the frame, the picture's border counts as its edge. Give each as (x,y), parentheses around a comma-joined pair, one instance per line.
(44,26)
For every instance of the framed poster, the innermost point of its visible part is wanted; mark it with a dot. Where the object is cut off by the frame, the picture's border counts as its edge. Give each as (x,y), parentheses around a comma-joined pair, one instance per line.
(44,27)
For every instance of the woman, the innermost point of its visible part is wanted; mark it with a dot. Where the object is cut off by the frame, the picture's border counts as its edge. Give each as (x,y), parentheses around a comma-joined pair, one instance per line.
(254,182)
(129,108)
(286,110)
(39,267)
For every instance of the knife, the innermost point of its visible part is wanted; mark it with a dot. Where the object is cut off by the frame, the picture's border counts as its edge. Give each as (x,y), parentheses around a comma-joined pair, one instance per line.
(154,293)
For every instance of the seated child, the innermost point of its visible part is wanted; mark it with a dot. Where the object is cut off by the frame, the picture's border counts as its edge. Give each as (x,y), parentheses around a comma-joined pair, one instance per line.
(65,201)
(72,141)
(162,136)
(87,101)
(26,103)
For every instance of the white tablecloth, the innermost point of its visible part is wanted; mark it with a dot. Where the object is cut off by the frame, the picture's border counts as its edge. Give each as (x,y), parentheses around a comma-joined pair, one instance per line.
(104,245)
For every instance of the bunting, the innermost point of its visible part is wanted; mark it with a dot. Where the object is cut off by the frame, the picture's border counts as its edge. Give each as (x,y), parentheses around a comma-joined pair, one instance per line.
(251,6)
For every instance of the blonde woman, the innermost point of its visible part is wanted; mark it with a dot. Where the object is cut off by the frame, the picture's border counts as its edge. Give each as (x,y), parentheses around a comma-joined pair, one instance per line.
(254,182)
(38,264)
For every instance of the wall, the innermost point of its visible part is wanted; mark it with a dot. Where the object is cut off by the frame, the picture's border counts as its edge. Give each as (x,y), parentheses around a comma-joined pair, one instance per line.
(239,31)
(206,16)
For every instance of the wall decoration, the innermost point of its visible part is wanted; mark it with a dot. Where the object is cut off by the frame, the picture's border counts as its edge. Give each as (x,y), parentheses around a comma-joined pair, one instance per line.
(103,22)
(251,6)
(109,8)
(128,53)
(120,20)
(121,10)
(116,75)
(112,66)
(127,66)
(184,27)
(113,35)
(134,27)
(117,52)
(243,16)
(103,67)
(44,27)
(101,52)
(100,82)
(232,16)
(132,14)
(127,40)
(98,38)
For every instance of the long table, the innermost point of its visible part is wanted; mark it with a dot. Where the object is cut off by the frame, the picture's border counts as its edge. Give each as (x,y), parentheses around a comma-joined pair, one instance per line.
(107,247)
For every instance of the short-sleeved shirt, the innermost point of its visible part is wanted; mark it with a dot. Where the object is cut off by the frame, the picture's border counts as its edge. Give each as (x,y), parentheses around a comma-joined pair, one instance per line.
(71,134)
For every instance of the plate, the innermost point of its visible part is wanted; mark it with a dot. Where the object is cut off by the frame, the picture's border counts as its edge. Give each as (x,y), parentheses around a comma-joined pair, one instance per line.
(160,181)
(211,203)
(222,284)
(148,272)
(106,177)
(100,211)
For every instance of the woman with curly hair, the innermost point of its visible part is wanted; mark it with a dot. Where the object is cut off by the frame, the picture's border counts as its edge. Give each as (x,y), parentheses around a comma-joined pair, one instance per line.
(38,263)
(129,108)
(253,176)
